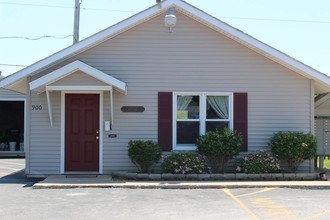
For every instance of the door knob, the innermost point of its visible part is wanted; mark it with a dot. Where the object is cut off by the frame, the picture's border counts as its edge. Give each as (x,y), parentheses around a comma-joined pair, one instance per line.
(97,137)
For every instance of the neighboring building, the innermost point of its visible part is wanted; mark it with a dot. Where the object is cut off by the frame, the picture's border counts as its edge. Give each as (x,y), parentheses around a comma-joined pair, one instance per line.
(12,123)
(136,80)
(322,125)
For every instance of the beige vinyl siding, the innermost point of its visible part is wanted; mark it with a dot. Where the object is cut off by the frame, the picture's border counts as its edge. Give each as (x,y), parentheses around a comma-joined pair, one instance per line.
(8,94)
(79,78)
(194,58)
(45,141)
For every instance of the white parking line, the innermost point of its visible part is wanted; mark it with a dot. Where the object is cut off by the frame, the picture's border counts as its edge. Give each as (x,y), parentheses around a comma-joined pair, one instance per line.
(11,168)
(13,163)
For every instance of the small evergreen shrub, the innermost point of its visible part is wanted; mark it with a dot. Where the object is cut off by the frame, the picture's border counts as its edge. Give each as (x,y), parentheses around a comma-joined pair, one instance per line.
(260,162)
(219,147)
(293,147)
(184,163)
(144,153)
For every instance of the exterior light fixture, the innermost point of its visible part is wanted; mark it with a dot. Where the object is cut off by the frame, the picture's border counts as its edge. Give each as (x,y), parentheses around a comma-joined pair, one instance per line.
(159,2)
(170,20)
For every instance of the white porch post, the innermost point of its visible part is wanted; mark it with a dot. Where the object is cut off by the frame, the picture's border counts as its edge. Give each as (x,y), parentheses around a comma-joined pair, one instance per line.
(111,107)
(49,108)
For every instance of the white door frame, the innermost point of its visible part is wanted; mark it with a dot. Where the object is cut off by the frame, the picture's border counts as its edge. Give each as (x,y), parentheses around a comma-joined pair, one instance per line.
(63,129)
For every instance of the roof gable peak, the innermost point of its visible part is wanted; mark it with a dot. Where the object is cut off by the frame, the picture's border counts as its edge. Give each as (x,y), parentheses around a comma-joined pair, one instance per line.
(155,10)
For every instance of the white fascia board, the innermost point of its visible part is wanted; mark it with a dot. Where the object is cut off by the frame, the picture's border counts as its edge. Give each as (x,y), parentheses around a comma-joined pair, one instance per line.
(73,67)
(253,43)
(78,88)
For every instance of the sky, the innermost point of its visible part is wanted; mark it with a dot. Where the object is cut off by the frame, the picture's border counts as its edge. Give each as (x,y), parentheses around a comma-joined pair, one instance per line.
(32,30)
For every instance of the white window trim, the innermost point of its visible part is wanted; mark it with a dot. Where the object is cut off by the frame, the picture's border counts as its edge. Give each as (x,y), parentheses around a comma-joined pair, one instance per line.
(202,107)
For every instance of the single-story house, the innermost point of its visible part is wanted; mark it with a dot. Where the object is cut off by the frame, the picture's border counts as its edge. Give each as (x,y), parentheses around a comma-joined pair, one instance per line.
(143,80)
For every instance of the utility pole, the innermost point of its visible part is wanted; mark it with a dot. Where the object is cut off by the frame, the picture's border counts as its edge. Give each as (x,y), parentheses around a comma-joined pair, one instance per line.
(76,22)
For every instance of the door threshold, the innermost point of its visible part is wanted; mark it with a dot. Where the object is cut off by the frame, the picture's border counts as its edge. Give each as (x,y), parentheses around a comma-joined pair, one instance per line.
(81,176)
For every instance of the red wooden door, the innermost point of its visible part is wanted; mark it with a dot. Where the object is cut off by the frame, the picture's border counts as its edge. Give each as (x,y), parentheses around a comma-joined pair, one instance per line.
(82,132)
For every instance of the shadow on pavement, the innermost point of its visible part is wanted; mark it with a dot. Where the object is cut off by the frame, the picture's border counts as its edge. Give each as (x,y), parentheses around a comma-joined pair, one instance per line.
(19,177)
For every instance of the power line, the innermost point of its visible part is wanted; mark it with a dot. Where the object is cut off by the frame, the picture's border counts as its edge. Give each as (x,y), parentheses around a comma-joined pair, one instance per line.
(16,65)
(60,37)
(113,10)
(127,11)
(66,7)
(280,20)
(35,5)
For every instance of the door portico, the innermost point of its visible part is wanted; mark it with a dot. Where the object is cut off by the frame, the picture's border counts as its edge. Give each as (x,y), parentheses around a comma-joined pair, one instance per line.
(81,79)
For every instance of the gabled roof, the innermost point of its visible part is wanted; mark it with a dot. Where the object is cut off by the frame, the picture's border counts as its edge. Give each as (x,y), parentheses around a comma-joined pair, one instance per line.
(40,83)
(322,81)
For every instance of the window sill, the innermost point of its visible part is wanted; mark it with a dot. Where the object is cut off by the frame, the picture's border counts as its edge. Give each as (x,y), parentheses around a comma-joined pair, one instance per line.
(185,148)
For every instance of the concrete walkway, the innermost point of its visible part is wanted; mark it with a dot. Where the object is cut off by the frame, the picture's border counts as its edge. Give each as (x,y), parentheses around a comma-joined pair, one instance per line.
(106,181)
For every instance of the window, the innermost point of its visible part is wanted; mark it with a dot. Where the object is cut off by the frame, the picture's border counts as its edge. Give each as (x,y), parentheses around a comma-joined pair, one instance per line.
(197,113)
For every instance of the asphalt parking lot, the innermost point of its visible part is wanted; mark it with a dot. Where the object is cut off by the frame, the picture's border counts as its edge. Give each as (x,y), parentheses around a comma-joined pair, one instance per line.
(18,200)
(10,165)
(12,172)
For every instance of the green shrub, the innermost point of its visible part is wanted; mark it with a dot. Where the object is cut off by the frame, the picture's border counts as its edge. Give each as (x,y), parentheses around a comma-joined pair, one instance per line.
(144,153)
(184,163)
(219,147)
(293,147)
(260,162)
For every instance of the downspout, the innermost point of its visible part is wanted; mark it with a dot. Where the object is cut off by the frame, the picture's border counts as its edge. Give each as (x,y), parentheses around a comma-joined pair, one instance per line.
(312,110)
(27,126)
(111,108)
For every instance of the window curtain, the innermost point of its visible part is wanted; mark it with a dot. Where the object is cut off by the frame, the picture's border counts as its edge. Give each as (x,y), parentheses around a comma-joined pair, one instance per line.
(183,102)
(220,105)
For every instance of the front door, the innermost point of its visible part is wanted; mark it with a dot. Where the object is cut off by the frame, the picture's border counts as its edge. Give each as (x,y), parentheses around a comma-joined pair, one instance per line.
(82,132)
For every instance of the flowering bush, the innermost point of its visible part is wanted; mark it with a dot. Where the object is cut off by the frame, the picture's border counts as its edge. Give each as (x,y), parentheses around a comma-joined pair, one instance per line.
(260,162)
(184,163)
(294,147)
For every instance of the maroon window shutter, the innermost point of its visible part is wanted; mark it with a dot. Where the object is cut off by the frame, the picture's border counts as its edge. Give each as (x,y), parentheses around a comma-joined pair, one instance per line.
(241,117)
(165,120)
